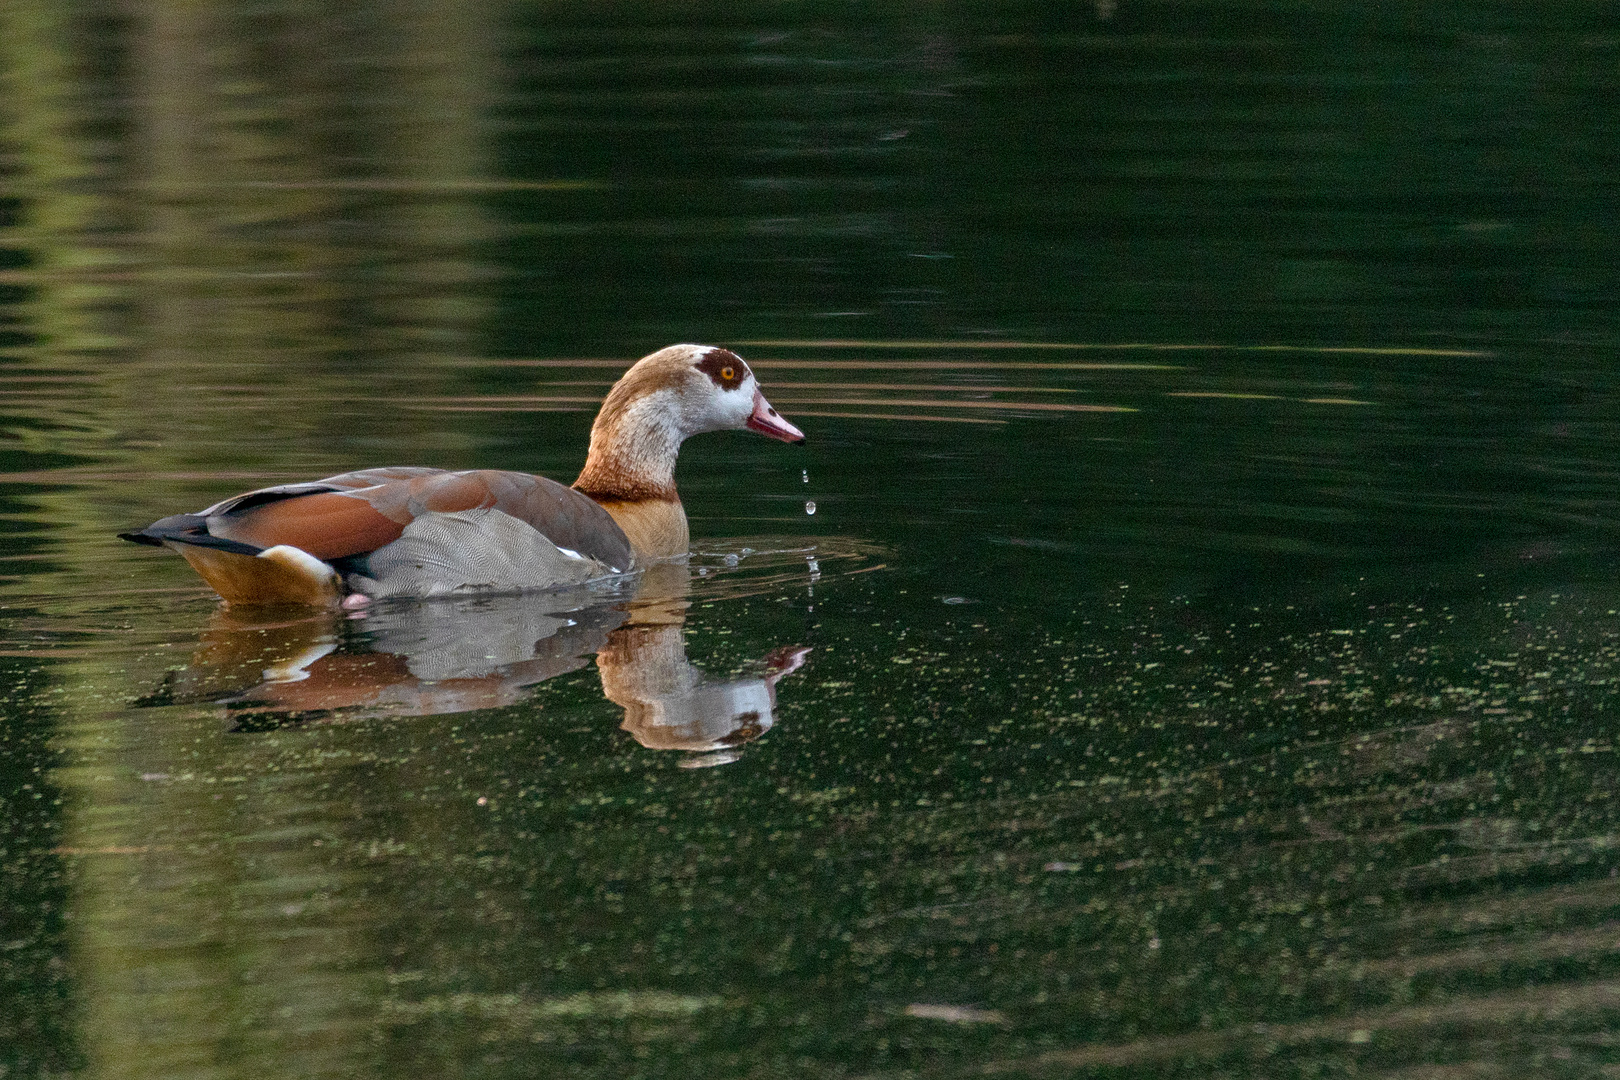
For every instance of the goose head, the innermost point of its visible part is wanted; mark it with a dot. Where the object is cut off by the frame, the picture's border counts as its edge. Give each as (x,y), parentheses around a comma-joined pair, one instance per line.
(665,398)
(690,389)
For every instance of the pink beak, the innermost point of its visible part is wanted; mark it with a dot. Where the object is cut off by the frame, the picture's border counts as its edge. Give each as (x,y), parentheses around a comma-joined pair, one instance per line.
(766,421)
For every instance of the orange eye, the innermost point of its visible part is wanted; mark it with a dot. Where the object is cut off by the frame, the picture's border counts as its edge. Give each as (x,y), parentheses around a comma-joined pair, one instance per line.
(728,373)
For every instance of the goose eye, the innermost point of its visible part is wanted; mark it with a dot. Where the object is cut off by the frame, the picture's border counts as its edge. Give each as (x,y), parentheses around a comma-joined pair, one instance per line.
(724,368)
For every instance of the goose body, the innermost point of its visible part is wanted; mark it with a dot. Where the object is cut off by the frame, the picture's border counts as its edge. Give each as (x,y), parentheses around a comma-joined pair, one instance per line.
(409,531)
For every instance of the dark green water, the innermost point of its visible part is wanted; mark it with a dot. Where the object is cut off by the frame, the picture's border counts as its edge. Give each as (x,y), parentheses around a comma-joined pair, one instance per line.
(1200,659)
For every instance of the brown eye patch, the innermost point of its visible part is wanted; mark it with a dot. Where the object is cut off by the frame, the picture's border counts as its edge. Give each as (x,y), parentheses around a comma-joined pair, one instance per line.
(724,367)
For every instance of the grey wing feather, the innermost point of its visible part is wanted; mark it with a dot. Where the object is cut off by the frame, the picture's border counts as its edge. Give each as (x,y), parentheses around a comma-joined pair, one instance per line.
(568,518)
(482,550)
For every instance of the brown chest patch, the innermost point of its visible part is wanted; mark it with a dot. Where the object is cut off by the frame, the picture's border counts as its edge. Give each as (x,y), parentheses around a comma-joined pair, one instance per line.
(656,528)
(609,484)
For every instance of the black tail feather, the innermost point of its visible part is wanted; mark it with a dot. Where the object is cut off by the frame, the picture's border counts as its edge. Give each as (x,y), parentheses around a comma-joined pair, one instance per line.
(141,538)
(186,529)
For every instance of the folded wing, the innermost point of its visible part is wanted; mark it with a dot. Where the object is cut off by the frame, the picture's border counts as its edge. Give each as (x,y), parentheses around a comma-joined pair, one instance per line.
(352,519)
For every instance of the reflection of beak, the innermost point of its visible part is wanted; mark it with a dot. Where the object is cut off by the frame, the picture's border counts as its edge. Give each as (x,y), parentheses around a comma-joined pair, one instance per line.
(780,663)
(766,421)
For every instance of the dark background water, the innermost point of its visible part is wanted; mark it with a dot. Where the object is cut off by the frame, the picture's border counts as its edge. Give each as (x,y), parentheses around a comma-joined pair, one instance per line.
(1213,452)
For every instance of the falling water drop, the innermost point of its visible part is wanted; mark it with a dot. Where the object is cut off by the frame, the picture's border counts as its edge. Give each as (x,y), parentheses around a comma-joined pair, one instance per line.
(810,506)
(806,474)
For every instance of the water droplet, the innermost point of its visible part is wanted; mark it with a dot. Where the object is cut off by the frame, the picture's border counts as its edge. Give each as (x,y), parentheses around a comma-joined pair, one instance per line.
(806,475)
(810,506)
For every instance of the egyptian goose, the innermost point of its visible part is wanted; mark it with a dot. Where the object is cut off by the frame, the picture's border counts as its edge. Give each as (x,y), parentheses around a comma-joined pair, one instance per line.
(410,531)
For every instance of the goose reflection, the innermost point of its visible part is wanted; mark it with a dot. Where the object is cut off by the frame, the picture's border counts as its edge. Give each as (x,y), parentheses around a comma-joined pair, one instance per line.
(447,656)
